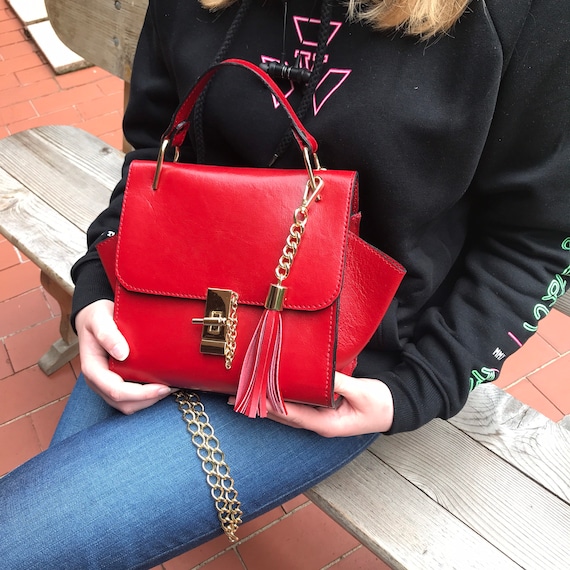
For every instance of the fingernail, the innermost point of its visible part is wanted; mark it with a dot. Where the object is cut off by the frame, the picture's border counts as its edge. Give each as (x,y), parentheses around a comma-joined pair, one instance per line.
(120,351)
(164,391)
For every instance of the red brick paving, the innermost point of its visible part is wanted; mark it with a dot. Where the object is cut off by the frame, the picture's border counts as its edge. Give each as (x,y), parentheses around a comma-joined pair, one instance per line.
(31,94)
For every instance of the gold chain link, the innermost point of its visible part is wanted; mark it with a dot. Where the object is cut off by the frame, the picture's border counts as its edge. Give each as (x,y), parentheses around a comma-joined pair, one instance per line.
(290,250)
(213,462)
(296,231)
(231,331)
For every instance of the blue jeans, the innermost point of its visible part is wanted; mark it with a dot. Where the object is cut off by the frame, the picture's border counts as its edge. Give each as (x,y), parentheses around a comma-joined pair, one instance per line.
(125,492)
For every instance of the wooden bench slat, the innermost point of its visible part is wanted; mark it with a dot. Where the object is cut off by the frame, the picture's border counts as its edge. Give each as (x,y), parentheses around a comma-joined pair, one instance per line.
(520,435)
(399,523)
(38,231)
(53,182)
(480,488)
(76,183)
(109,41)
(80,148)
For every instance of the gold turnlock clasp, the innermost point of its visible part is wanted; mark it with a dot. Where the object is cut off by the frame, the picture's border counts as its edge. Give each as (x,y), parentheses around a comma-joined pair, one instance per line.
(219,325)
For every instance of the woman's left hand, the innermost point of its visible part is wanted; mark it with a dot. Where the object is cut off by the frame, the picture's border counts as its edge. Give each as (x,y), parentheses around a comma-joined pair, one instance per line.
(366,407)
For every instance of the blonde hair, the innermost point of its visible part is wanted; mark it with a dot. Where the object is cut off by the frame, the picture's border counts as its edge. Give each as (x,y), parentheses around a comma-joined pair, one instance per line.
(423,18)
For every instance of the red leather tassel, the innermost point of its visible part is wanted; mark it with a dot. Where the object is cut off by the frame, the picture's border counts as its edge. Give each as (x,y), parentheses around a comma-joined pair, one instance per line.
(259,378)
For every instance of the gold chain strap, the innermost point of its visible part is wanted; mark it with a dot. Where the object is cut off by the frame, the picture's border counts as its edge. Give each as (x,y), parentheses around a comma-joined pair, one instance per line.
(296,231)
(231,331)
(291,246)
(213,462)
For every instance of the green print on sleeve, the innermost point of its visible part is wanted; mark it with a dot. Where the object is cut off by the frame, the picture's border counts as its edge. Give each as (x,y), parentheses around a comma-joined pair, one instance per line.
(555,289)
(482,376)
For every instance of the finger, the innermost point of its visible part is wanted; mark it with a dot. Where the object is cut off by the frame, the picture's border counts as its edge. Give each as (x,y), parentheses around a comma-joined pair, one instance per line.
(96,322)
(109,385)
(127,397)
(363,407)
(345,385)
(301,416)
(306,416)
(109,337)
(294,416)
(133,392)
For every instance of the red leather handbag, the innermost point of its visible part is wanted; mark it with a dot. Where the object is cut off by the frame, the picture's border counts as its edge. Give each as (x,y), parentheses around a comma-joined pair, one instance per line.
(245,281)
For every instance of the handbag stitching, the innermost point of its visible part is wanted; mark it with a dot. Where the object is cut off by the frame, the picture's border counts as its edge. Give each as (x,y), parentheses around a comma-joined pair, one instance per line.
(243,300)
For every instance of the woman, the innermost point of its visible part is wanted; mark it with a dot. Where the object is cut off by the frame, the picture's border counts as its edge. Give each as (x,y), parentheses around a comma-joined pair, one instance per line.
(457,119)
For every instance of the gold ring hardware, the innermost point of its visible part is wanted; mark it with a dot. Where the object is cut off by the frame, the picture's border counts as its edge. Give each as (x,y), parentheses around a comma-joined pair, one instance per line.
(219,324)
(311,159)
(311,195)
(160,161)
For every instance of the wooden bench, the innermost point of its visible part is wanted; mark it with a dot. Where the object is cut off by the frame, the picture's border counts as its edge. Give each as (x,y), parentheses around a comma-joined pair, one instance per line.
(488,489)
(53,181)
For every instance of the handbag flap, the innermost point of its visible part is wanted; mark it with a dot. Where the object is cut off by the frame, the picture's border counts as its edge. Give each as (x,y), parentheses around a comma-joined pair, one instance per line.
(226,227)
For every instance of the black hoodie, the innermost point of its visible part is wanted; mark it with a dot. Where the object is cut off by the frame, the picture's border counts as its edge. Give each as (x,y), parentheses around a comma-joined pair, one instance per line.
(463,149)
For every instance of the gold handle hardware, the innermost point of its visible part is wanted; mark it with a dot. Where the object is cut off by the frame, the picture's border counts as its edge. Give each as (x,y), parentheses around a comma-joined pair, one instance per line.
(160,161)
(313,180)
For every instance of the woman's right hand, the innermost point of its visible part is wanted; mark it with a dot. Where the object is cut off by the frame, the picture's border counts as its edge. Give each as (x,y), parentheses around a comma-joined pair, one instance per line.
(99,337)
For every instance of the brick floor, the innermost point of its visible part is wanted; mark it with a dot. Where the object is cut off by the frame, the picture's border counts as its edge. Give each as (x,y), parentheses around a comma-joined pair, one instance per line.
(32,95)
(31,403)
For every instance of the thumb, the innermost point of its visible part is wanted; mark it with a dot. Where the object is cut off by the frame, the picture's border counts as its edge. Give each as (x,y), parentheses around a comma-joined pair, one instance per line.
(340,383)
(120,350)
(114,342)
(105,330)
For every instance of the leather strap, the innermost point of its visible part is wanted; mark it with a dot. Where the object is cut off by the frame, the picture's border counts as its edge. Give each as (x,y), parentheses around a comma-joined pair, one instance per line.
(178,128)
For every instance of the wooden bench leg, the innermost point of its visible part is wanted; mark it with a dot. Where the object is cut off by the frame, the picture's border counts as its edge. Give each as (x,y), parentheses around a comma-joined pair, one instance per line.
(67,347)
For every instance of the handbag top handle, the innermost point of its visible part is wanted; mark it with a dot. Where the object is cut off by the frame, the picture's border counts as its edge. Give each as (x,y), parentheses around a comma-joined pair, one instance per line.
(176,131)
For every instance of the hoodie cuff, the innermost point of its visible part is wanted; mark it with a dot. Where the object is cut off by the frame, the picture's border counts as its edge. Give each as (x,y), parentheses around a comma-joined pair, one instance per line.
(416,399)
(91,284)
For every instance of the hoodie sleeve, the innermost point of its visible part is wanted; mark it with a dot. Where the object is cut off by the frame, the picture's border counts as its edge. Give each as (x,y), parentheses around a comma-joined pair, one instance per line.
(153,99)
(517,259)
